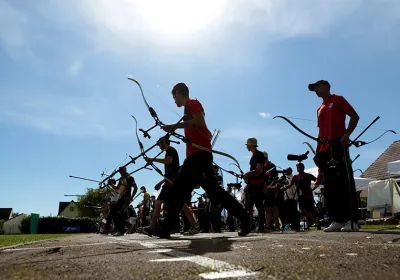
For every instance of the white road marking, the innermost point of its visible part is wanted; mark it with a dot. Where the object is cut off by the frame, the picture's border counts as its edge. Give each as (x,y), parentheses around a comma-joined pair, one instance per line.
(225,274)
(224,270)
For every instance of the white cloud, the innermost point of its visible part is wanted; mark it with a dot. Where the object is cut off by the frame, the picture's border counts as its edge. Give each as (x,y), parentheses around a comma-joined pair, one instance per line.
(12,24)
(124,26)
(264,115)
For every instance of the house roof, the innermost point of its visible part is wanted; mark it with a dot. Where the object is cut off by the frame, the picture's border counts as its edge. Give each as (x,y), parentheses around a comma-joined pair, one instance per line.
(5,213)
(64,205)
(378,169)
(17,216)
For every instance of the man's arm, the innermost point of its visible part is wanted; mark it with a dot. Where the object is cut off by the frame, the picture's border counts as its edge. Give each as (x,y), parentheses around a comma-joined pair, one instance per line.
(167,160)
(131,182)
(135,189)
(197,121)
(349,111)
(354,118)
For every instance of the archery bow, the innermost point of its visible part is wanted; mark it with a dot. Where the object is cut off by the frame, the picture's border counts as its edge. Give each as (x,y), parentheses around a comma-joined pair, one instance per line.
(172,133)
(357,143)
(311,148)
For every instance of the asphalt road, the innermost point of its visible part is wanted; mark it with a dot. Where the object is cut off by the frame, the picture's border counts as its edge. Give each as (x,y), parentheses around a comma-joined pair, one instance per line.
(305,255)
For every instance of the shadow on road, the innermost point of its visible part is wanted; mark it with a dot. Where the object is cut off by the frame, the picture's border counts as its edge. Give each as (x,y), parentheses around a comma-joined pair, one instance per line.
(52,251)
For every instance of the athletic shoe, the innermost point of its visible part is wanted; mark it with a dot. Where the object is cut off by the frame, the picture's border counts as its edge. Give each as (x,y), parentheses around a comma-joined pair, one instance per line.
(193,230)
(347,227)
(147,230)
(118,233)
(160,233)
(334,227)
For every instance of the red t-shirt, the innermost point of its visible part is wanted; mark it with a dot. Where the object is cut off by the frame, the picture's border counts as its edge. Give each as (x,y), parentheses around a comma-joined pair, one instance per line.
(332,119)
(198,135)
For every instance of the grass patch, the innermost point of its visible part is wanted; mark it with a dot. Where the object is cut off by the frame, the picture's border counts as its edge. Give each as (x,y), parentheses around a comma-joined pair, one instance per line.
(13,239)
(380,227)
(372,227)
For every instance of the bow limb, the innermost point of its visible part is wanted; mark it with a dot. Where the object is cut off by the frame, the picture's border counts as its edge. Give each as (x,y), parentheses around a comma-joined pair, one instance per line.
(298,129)
(143,153)
(219,153)
(231,172)
(141,91)
(362,143)
(311,148)
(151,110)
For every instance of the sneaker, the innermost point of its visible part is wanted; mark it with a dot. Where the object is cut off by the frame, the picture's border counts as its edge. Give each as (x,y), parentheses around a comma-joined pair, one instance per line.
(147,230)
(193,230)
(347,227)
(129,229)
(276,228)
(334,227)
(118,233)
(161,233)
(246,226)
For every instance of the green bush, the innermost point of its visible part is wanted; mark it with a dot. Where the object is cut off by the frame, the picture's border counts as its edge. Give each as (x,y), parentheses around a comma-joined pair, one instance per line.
(1,226)
(56,224)
(25,226)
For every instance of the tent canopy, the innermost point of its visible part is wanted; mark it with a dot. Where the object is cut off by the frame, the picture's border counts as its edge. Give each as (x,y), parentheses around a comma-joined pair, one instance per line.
(361,183)
(394,167)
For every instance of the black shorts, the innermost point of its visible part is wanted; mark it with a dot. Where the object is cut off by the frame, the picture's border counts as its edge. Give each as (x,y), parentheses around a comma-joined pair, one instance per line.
(269,199)
(164,193)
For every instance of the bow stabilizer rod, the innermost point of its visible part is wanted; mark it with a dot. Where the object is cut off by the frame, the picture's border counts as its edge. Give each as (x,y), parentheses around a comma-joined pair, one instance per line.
(86,179)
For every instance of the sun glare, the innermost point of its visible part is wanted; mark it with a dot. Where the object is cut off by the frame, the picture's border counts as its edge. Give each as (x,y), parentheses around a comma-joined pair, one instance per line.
(175,19)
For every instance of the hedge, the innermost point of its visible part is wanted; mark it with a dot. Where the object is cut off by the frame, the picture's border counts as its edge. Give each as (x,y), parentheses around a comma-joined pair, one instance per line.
(56,224)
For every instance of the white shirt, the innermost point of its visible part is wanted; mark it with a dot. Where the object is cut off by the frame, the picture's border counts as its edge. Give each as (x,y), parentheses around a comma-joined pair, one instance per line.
(290,193)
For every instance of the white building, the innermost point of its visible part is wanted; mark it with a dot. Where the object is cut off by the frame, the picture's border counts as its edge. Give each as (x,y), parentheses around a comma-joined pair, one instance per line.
(12,225)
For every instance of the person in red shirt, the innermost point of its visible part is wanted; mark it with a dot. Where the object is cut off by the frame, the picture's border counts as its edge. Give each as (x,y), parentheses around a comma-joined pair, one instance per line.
(272,197)
(340,190)
(197,167)
(305,193)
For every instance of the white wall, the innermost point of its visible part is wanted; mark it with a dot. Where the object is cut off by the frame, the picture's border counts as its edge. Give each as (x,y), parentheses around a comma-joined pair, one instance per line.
(67,212)
(12,226)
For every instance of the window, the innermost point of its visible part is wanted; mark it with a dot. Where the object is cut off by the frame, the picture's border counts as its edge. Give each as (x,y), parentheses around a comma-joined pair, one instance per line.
(71,209)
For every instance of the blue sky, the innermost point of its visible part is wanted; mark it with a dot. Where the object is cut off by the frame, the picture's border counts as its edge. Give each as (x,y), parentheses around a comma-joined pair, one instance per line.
(65,101)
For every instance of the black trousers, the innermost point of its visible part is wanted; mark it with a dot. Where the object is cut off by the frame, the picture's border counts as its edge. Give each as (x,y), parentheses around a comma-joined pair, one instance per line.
(339,184)
(230,222)
(198,167)
(146,212)
(215,215)
(290,215)
(256,196)
(120,217)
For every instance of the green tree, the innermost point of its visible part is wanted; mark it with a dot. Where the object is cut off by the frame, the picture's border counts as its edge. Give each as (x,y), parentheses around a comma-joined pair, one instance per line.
(1,225)
(93,197)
